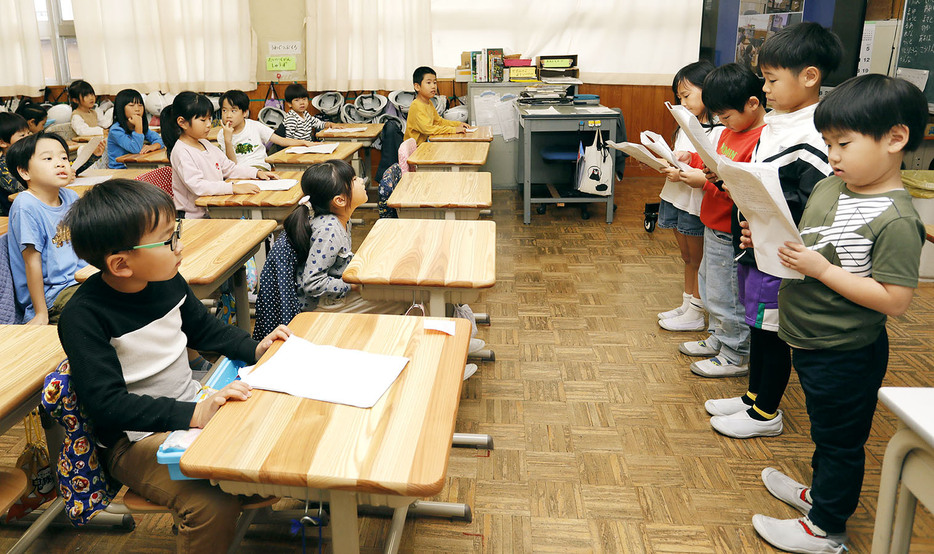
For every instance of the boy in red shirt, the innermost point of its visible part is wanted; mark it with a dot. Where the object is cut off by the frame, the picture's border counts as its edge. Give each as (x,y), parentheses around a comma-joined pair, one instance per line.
(734,94)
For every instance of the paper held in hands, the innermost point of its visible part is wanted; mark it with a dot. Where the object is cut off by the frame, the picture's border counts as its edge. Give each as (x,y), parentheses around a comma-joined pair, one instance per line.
(696,134)
(272,184)
(85,152)
(323,148)
(640,153)
(327,373)
(757,193)
(654,142)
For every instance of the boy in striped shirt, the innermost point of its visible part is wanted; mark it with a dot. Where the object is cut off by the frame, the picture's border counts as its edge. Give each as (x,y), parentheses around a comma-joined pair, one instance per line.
(299,124)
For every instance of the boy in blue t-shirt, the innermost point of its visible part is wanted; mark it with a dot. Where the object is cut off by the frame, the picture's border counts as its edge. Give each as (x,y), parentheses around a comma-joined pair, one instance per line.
(860,257)
(42,263)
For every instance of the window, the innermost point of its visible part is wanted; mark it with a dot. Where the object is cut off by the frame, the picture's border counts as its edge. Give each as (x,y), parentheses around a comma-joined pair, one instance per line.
(60,61)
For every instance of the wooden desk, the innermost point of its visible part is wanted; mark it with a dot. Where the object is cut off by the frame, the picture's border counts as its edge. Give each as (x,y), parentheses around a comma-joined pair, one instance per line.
(128,173)
(4,223)
(449,156)
(31,352)
(364,138)
(484,133)
(432,195)
(274,205)
(438,260)
(149,160)
(283,161)
(929,229)
(80,189)
(214,251)
(387,455)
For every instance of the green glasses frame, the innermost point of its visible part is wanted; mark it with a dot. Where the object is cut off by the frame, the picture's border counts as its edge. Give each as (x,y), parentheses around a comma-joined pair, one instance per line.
(172,243)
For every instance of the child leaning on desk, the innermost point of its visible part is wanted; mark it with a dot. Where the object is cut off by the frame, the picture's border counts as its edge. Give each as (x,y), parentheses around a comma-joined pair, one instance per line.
(198,167)
(125,333)
(423,119)
(860,257)
(130,131)
(244,140)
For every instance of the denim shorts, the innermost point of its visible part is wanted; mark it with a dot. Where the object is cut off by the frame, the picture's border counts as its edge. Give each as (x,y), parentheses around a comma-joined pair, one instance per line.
(670,217)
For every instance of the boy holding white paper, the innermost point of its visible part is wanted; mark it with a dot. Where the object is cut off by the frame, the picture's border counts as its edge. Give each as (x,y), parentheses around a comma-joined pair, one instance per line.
(125,332)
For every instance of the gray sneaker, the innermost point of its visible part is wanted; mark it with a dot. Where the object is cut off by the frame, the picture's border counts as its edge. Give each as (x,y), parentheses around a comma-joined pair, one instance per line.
(797,535)
(697,348)
(718,367)
(786,489)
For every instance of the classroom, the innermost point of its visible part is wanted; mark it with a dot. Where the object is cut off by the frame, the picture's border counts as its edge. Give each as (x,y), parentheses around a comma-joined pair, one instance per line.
(403,276)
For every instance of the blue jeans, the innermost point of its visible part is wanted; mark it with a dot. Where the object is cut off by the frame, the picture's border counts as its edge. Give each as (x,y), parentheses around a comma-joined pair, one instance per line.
(719,290)
(840,389)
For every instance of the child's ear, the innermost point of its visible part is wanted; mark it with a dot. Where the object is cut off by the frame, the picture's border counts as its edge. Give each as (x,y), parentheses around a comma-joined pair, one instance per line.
(752,104)
(116,265)
(340,201)
(810,76)
(181,122)
(896,139)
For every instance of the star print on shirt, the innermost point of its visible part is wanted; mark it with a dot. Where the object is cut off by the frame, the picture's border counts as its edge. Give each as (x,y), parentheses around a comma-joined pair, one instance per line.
(852,249)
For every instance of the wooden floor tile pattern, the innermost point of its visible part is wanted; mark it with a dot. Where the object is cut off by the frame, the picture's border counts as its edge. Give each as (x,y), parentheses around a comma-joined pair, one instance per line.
(602,442)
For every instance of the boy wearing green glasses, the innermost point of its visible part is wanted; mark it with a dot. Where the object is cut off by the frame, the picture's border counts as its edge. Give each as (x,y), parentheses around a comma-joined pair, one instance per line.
(126,331)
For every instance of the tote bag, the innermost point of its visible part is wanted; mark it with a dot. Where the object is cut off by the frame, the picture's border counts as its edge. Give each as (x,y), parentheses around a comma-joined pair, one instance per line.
(595,168)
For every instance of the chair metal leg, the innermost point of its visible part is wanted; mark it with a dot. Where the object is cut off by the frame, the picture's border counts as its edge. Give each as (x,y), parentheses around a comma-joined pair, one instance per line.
(473,440)
(395,530)
(38,526)
(486,355)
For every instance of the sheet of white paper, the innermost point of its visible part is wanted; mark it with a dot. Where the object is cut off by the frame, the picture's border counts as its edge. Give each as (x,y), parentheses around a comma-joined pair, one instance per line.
(640,153)
(443,325)
(89,181)
(180,439)
(917,77)
(85,151)
(323,148)
(695,133)
(346,129)
(550,110)
(594,110)
(654,142)
(327,373)
(757,193)
(471,129)
(272,184)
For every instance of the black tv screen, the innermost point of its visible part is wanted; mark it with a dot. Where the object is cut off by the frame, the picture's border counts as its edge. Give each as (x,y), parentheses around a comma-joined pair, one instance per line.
(733,30)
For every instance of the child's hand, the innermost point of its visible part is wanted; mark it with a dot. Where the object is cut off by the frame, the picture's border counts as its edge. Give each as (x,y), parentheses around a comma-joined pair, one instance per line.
(266,175)
(279,333)
(682,156)
(205,410)
(39,319)
(330,125)
(745,241)
(711,176)
(245,188)
(693,178)
(800,258)
(150,148)
(101,148)
(671,173)
(136,121)
(307,143)
(228,130)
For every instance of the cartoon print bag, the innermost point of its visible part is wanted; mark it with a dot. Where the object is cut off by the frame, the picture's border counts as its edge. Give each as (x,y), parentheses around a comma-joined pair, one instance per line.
(272,99)
(34,461)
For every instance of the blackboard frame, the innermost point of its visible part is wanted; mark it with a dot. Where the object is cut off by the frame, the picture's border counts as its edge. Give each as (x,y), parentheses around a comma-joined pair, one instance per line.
(929,88)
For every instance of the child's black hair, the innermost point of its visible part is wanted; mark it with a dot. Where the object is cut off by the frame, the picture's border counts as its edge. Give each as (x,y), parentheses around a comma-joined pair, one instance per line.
(801,45)
(30,111)
(124,98)
(10,124)
(694,73)
(294,91)
(320,183)
(78,90)
(113,216)
(730,86)
(420,73)
(187,105)
(19,154)
(871,105)
(237,99)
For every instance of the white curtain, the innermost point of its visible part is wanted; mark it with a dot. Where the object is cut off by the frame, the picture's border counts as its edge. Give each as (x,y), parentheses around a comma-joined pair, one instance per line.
(638,42)
(167,45)
(366,44)
(21,59)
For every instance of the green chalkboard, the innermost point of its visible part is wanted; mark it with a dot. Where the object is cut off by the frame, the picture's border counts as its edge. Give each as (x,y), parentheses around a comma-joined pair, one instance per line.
(916,48)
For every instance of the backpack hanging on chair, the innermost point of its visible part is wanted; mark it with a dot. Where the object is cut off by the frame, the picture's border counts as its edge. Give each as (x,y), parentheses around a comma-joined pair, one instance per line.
(595,168)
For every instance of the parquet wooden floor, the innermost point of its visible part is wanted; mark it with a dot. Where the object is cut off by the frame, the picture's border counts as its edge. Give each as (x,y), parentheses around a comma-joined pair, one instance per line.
(602,442)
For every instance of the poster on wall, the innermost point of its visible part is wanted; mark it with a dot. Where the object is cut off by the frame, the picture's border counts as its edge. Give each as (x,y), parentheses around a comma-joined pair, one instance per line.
(759,19)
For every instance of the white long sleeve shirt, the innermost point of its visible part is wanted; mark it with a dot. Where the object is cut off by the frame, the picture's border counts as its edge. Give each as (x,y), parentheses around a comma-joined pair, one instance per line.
(198,172)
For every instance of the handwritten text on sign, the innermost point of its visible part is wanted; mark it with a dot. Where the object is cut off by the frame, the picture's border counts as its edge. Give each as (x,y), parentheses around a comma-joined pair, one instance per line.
(283,48)
(280,63)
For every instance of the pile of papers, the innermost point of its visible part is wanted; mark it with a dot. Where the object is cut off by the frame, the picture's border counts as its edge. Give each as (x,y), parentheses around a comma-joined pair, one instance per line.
(272,184)
(323,148)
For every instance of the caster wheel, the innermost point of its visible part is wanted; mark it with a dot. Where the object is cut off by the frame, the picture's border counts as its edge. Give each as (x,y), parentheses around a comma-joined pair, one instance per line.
(649,225)
(540,210)
(585,214)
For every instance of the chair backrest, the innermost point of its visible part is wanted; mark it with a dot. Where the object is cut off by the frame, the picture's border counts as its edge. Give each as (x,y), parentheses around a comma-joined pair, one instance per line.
(10,312)
(387,184)
(161,177)
(63,130)
(390,138)
(406,149)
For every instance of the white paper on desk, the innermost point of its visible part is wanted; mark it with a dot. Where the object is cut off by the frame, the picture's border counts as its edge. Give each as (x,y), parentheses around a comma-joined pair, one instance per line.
(640,153)
(346,129)
(550,110)
(444,325)
(327,373)
(757,193)
(323,148)
(271,184)
(85,152)
(90,181)
(695,133)
(654,142)
(471,129)
(594,110)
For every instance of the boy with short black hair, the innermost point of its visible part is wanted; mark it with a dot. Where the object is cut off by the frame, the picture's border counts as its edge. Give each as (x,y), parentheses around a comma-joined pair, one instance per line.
(860,258)
(423,119)
(125,333)
(13,127)
(244,140)
(299,124)
(794,62)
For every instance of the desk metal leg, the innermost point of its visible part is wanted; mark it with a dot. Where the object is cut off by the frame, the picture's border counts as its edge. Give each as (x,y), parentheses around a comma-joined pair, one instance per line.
(242,298)
(527,176)
(899,447)
(436,303)
(395,530)
(345,535)
(55,508)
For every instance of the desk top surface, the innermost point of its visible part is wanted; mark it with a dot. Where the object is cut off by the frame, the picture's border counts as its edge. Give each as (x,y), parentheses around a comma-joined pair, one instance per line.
(344,151)
(31,352)
(261,199)
(428,189)
(212,134)
(484,133)
(426,253)
(450,153)
(566,110)
(159,156)
(372,131)
(399,446)
(914,406)
(4,223)
(128,173)
(211,246)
